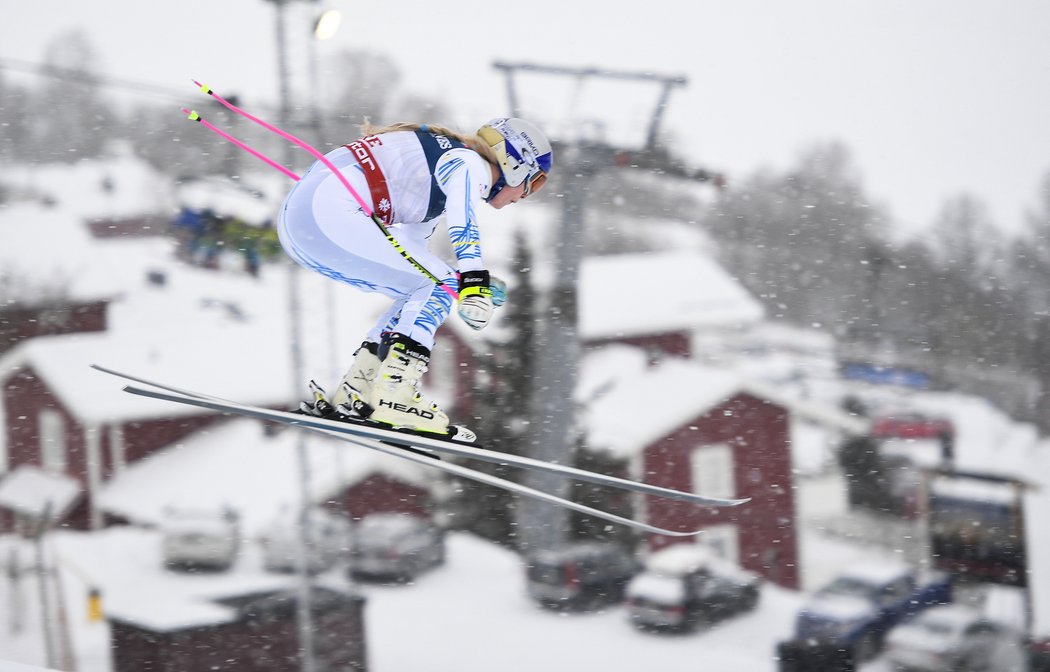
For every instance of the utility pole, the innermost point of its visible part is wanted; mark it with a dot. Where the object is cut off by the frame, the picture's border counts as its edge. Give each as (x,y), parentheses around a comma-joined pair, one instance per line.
(542,525)
(43,576)
(304,609)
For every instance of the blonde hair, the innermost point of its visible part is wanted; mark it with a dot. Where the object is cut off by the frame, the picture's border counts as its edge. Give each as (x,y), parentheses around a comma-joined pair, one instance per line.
(472,141)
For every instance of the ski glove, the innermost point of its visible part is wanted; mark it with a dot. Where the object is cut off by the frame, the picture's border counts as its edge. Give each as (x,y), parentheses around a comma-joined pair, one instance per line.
(475,298)
(499,291)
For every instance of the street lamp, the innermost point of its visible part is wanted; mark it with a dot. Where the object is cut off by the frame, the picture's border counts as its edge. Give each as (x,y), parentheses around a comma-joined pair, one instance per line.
(327,24)
(304,616)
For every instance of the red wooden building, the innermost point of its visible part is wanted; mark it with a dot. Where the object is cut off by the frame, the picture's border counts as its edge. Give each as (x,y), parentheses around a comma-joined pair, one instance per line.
(698,429)
(58,414)
(50,421)
(21,322)
(616,311)
(252,468)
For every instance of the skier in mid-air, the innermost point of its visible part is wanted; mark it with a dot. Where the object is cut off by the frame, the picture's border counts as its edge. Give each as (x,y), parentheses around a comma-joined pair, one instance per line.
(412,174)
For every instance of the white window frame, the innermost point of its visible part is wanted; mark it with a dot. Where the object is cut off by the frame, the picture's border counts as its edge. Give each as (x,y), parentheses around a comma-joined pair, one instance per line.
(117,449)
(712,470)
(54,453)
(723,540)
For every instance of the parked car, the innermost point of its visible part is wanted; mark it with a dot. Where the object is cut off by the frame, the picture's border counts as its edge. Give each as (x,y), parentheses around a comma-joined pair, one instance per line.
(580,575)
(686,585)
(859,606)
(329,541)
(395,546)
(955,638)
(1039,655)
(200,538)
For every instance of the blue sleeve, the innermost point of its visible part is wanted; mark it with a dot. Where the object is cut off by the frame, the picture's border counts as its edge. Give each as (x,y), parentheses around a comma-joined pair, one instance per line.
(464,177)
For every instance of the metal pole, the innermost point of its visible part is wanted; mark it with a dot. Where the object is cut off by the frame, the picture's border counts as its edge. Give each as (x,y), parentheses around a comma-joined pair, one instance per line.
(304,616)
(47,620)
(283,78)
(315,92)
(552,414)
(542,525)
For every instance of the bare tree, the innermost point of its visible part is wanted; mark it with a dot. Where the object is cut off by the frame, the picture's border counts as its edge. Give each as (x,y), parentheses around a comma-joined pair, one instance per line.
(802,241)
(16,142)
(964,237)
(70,120)
(1030,254)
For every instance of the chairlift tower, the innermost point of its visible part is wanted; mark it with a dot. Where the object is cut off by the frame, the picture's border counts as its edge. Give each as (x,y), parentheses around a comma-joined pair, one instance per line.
(552,415)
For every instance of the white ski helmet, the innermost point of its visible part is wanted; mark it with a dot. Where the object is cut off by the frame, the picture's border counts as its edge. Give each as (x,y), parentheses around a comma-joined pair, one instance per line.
(522,150)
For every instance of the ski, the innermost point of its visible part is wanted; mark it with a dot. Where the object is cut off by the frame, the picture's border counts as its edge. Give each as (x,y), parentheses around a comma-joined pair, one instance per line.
(419,457)
(417,442)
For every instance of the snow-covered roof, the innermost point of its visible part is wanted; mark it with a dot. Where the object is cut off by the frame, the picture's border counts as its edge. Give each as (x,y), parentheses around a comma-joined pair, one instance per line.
(636,294)
(629,406)
(126,563)
(604,368)
(238,464)
(34,492)
(986,439)
(973,489)
(814,410)
(191,360)
(48,253)
(647,406)
(123,185)
(254,204)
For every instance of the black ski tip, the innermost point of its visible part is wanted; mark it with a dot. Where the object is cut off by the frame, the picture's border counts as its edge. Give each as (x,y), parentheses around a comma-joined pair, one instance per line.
(461,434)
(456,433)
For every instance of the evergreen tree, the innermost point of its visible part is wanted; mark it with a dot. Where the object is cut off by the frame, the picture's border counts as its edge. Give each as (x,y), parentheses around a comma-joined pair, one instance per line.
(506,380)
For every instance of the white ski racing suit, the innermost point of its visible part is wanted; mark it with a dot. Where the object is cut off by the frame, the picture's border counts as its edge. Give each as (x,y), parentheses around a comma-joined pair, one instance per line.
(409,178)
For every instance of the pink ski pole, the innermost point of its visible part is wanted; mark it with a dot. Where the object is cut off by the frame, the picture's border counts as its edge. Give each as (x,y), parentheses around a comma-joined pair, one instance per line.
(192,115)
(342,179)
(294,140)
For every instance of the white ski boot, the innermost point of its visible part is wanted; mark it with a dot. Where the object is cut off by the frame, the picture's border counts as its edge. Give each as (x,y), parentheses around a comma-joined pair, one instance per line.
(356,386)
(395,398)
(320,407)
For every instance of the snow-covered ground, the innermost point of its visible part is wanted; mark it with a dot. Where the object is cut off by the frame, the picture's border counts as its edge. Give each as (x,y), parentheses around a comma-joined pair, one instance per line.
(470,615)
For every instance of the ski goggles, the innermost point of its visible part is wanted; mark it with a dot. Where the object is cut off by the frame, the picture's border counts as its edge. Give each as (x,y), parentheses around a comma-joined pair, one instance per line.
(534,182)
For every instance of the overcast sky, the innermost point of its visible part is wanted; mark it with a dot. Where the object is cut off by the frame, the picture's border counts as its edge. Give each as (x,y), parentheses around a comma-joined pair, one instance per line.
(934,97)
